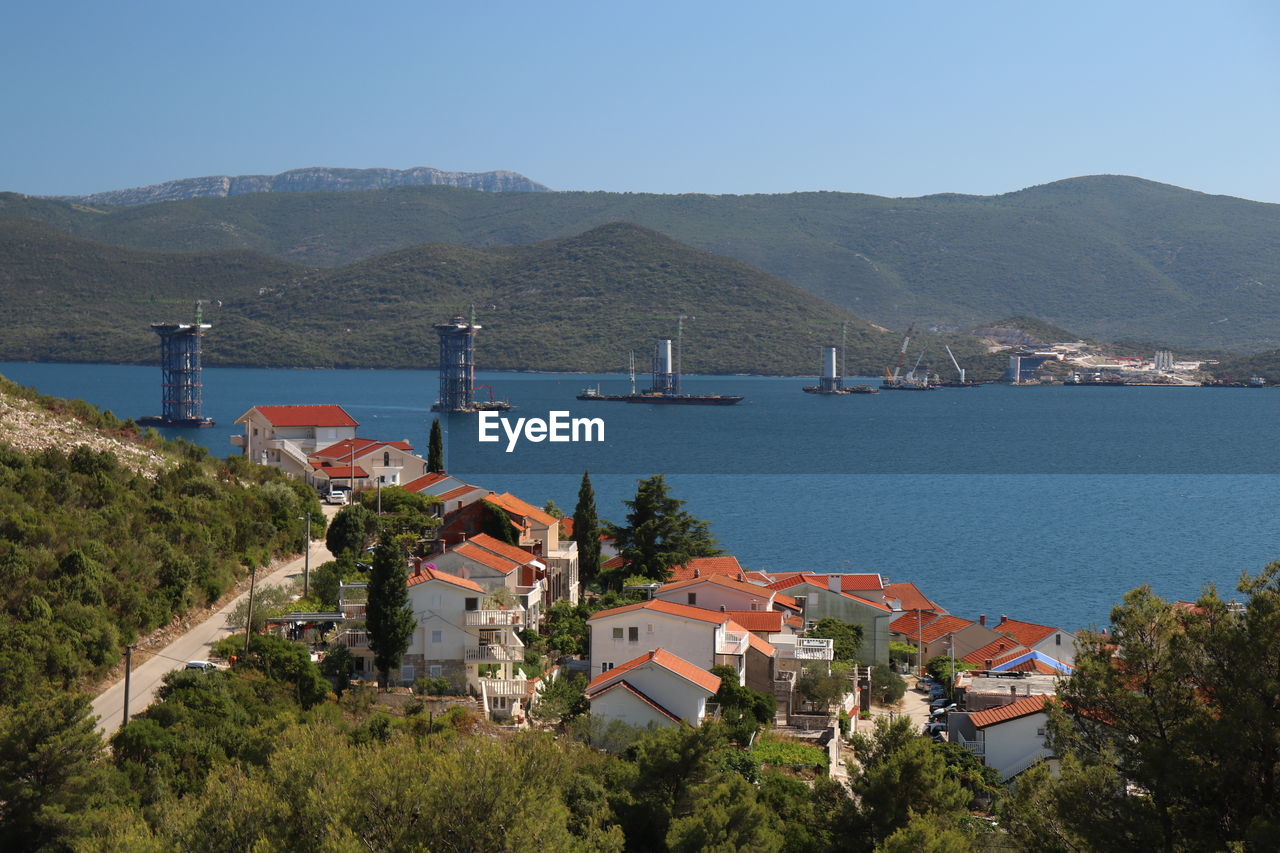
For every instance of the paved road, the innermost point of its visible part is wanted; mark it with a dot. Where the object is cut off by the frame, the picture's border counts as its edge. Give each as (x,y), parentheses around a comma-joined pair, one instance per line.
(195,644)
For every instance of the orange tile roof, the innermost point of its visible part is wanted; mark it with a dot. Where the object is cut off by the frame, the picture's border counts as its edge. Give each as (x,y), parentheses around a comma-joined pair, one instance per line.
(639,694)
(666,660)
(424,481)
(341,471)
(672,609)
(788,581)
(942,626)
(502,549)
(566,527)
(877,605)
(721,581)
(910,597)
(759,577)
(994,650)
(456,493)
(758,620)
(1027,633)
(294,416)
(852,583)
(704,566)
(906,623)
(614,562)
(795,621)
(486,558)
(430,573)
(515,506)
(1012,711)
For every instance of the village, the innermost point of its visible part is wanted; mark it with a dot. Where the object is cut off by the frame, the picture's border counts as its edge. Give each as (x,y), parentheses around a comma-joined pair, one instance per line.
(656,653)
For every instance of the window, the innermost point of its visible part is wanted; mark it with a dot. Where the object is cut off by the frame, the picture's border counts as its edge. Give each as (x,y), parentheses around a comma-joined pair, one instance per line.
(1040,731)
(406,673)
(606,666)
(436,670)
(617,633)
(471,604)
(437,636)
(649,628)
(1057,639)
(693,598)
(386,459)
(633,634)
(498,703)
(800,601)
(755,605)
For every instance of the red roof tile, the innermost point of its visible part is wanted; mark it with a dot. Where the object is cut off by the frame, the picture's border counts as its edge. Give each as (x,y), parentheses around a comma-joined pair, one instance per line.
(993,650)
(658,606)
(342,472)
(295,416)
(502,549)
(453,494)
(1004,713)
(1027,633)
(759,577)
(763,593)
(614,562)
(486,558)
(758,620)
(704,566)
(852,583)
(910,597)
(424,481)
(761,645)
(430,573)
(522,509)
(566,527)
(906,623)
(666,660)
(788,581)
(877,605)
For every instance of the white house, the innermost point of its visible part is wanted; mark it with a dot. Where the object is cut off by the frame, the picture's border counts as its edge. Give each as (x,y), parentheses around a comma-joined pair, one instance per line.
(285,436)
(657,688)
(494,564)
(1053,642)
(705,638)
(717,592)
(1009,738)
(389,463)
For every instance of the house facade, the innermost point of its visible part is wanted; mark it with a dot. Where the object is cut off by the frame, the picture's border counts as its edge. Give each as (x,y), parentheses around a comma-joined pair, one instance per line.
(655,688)
(284,437)
(704,638)
(1009,738)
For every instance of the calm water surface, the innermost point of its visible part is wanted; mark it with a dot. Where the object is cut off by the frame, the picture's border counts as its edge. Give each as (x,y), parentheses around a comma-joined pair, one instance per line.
(1045,504)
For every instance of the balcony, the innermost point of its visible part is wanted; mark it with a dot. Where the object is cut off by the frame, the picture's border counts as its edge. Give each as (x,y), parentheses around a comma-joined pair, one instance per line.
(807,648)
(977,747)
(494,654)
(517,687)
(495,618)
(353,639)
(732,643)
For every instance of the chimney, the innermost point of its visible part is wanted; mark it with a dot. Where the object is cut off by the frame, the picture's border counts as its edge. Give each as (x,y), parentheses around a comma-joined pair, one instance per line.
(986,664)
(721,608)
(833,583)
(697,573)
(742,578)
(1003,619)
(982,620)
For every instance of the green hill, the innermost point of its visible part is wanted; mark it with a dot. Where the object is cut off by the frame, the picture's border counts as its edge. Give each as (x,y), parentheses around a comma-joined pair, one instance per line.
(1108,256)
(580,303)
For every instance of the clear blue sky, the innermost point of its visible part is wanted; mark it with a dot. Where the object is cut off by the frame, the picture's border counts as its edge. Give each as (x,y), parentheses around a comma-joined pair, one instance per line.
(892,98)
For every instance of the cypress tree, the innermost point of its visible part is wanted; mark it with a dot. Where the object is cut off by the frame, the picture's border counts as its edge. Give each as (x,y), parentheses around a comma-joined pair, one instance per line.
(586,531)
(435,449)
(388,619)
(660,533)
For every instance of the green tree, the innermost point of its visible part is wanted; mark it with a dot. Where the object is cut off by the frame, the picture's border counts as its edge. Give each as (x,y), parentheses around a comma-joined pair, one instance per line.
(586,531)
(351,530)
(846,637)
(887,687)
(561,701)
(726,815)
(940,670)
(388,619)
(823,685)
(659,532)
(742,710)
(435,449)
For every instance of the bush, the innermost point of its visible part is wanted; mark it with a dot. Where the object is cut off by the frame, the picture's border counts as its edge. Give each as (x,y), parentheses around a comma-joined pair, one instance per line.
(887,687)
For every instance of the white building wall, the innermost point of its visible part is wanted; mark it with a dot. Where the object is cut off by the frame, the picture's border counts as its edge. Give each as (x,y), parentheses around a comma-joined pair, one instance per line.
(1012,745)
(689,639)
(712,596)
(440,607)
(628,708)
(1059,645)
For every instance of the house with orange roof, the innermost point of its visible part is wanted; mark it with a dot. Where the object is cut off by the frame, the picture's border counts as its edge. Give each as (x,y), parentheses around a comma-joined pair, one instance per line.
(823,597)
(532,528)
(657,687)
(705,638)
(387,463)
(717,592)
(1009,738)
(494,564)
(284,437)
(460,635)
(907,596)
(725,565)
(1054,642)
(940,634)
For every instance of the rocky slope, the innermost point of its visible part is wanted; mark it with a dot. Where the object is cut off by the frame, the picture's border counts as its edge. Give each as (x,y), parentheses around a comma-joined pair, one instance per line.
(310,180)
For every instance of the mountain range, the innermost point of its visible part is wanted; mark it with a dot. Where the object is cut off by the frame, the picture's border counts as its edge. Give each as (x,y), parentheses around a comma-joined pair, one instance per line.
(1110,257)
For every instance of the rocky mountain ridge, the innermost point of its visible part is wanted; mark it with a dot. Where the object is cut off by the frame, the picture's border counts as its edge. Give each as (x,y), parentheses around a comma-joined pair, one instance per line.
(318,178)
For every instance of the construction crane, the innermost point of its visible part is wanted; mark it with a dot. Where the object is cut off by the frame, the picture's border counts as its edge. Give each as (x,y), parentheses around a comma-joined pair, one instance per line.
(959,369)
(902,355)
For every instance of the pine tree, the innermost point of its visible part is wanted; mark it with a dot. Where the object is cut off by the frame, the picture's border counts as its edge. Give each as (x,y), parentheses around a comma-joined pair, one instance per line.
(586,531)
(660,533)
(435,449)
(388,619)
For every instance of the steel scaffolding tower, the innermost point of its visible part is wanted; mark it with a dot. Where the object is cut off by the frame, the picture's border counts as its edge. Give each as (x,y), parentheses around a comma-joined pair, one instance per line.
(180,374)
(457,365)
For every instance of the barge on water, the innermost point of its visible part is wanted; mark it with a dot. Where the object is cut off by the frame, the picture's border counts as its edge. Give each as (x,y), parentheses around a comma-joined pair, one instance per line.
(665,390)
(831,382)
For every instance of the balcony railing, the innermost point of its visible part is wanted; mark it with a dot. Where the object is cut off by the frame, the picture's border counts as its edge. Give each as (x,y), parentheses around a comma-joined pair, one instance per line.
(732,643)
(353,639)
(496,618)
(505,686)
(807,648)
(977,747)
(494,654)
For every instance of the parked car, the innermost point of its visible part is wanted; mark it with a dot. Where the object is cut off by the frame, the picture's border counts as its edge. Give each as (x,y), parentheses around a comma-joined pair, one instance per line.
(925,685)
(337,497)
(201,665)
(935,727)
(942,703)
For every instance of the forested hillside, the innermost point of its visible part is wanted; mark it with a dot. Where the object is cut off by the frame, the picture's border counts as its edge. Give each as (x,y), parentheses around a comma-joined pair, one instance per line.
(1110,256)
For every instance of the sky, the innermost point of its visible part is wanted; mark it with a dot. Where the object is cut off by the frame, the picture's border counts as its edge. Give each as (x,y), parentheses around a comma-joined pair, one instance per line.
(895,98)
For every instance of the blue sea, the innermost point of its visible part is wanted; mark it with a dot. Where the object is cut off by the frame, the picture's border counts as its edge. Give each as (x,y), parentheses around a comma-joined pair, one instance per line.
(1041,503)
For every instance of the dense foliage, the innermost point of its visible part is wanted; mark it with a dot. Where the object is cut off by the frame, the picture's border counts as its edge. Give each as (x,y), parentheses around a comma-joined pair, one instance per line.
(586,531)
(93,554)
(846,637)
(659,534)
(1186,260)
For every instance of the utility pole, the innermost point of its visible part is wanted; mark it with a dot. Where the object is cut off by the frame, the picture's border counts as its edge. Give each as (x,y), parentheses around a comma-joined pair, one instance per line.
(919,643)
(128,668)
(248,619)
(306,557)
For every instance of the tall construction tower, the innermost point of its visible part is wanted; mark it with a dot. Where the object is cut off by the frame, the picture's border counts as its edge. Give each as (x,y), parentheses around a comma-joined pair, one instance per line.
(181,385)
(831,381)
(457,365)
(666,375)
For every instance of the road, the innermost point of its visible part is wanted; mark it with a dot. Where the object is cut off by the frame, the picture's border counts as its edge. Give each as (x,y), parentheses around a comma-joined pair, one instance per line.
(195,644)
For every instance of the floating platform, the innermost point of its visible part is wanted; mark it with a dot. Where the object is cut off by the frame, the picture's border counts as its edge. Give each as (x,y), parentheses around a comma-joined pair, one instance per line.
(485,406)
(186,423)
(662,399)
(839,392)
